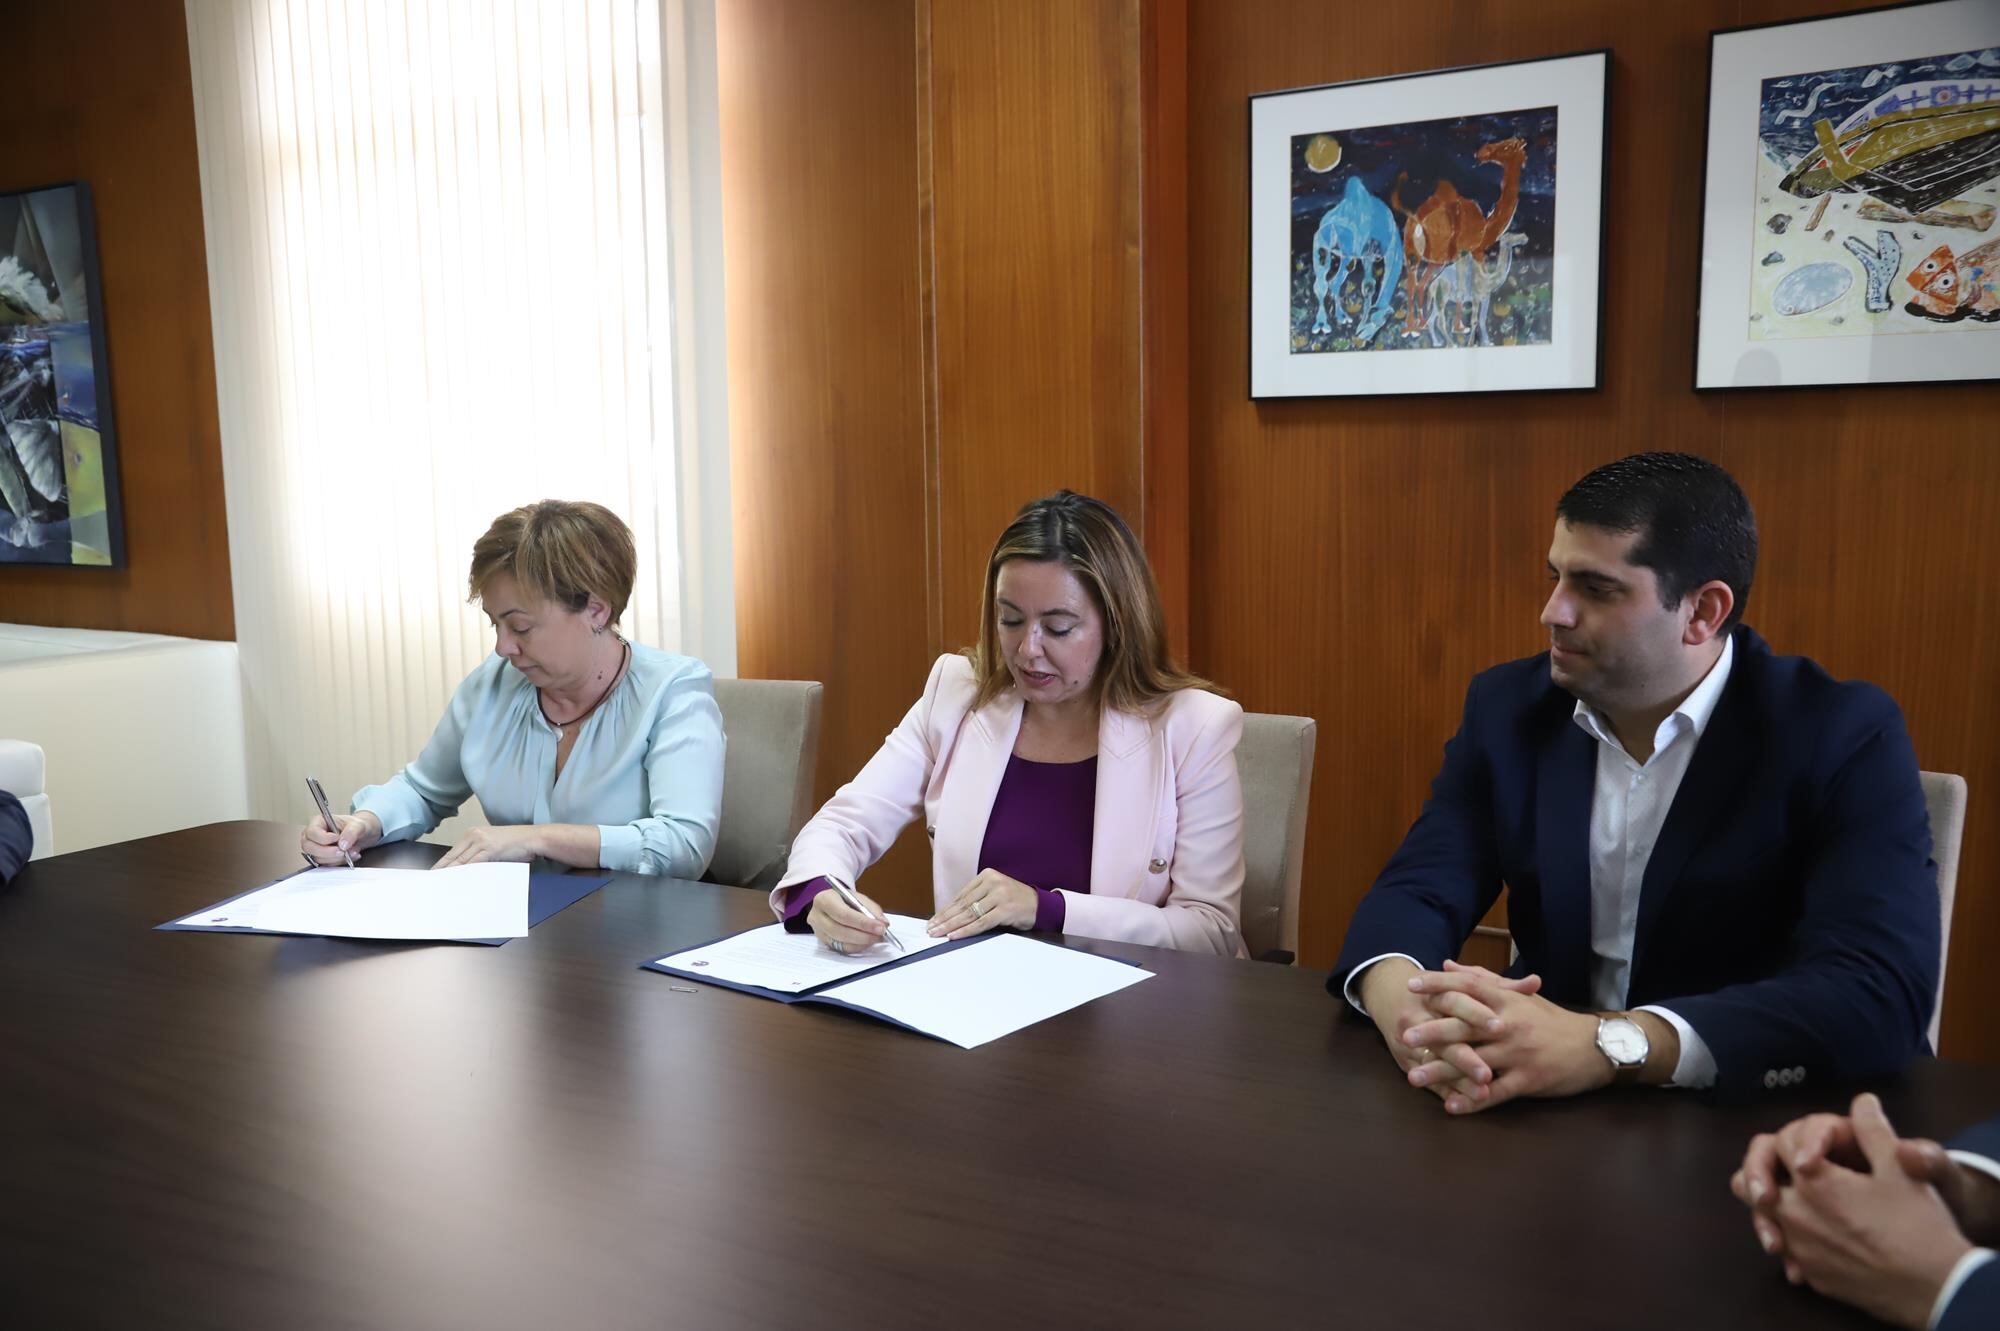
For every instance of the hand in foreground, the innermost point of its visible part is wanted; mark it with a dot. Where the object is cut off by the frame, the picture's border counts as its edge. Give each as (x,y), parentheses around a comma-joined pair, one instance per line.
(1880,1240)
(991,900)
(1810,1145)
(1532,1046)
(355,833)
(507,845)
(1444,1059)
(840,927)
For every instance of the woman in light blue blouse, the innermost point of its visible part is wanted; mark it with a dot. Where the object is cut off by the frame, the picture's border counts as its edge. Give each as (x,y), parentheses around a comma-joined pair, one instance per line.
(582,747)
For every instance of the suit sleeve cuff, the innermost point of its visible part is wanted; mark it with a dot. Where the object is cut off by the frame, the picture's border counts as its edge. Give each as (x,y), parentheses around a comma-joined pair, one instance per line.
(1972,1160)
(1050,911)
(1961,1273)
(1696,1069)
(1351,991)
(800,901)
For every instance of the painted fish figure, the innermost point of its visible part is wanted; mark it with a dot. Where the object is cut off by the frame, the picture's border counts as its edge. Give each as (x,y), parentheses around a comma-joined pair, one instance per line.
(1953,287)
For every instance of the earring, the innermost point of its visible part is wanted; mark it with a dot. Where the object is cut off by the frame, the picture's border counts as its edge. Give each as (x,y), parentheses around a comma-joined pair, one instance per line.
(598,631)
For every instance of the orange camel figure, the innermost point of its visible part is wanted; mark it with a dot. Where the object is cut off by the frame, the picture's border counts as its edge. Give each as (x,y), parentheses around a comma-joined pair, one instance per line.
(1448,226)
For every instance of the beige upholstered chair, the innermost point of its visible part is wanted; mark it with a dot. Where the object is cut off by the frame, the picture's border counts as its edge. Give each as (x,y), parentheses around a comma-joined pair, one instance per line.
(24,775)
(1944,795)
(773,730)
(1275,761)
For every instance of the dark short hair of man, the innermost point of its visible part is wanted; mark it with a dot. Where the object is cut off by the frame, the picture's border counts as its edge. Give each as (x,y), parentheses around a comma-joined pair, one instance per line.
(1694,521)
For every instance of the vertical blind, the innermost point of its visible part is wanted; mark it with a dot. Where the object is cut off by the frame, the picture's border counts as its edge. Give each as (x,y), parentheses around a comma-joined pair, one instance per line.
(439,254)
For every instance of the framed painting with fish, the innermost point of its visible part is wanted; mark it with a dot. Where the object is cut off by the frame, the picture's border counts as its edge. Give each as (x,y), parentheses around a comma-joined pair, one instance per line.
(1438,232)
(58,451)
(1851,221)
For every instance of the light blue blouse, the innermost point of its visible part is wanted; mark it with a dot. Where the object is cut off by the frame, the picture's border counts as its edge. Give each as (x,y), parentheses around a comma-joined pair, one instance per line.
(646,767)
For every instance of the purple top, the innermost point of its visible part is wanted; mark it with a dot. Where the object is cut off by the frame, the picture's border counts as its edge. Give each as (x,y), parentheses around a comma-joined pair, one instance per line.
(1038,832)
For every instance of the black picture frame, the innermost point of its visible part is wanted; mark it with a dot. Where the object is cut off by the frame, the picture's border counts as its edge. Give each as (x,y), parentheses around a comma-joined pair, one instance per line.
(1852,316)
(1423,355)
(60,501)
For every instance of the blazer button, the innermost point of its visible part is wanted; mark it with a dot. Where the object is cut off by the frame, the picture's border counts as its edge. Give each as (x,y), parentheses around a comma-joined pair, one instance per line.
(1784,1076)
(931,832)
(1157,866)
(1798,1076)
(1770,1079)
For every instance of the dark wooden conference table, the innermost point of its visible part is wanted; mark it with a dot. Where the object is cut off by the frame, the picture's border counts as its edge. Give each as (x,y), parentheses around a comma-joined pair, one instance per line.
(202,1130)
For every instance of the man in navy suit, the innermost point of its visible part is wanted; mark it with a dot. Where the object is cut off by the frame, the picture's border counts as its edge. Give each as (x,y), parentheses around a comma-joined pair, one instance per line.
(1716,858)
(1887,1224)
(17,839)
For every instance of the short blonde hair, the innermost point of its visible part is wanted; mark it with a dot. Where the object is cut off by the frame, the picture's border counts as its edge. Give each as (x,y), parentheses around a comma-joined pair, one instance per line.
(1087,537)
(560,551)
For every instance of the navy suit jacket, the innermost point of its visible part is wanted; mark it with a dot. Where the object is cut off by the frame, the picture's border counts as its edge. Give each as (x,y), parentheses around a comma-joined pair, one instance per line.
(17,839)
(1976,1306)
(1789,910)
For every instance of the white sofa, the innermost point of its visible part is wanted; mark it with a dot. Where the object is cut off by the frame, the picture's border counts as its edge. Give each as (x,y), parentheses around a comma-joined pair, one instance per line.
(23,774)
(143,733)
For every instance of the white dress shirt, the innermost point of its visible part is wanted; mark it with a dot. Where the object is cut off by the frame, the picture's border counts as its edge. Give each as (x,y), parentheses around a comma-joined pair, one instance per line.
(1972,1260)
(1628,806)
(1627,810)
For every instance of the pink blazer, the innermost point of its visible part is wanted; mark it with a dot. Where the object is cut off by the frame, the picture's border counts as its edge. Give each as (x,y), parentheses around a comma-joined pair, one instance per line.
(1166,859)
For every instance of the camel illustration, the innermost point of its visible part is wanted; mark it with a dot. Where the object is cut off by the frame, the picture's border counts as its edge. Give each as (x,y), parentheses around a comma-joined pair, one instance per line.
(1359,221)
(1448,225)
(1469,282)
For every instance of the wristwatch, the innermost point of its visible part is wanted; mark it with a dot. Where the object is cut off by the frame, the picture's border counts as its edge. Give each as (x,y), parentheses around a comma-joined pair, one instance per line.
(1624,1044)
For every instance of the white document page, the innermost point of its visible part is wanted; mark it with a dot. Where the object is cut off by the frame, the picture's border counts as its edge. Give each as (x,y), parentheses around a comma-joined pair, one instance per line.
(790,963)
(467,901)
(990,989)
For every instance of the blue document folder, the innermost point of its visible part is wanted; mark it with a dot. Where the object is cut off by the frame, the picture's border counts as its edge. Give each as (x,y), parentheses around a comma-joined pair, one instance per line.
(823,993)
(1011,983)
(548,893)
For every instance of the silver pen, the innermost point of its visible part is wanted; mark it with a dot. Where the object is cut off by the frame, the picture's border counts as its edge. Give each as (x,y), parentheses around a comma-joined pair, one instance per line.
(325,817)
(853,899)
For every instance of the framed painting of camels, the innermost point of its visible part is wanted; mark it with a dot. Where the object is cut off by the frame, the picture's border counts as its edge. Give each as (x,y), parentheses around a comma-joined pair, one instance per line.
(1851,222)
(1430,233)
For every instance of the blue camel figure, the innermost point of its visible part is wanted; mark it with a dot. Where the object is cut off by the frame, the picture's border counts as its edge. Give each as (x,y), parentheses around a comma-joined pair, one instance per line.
(1358,221)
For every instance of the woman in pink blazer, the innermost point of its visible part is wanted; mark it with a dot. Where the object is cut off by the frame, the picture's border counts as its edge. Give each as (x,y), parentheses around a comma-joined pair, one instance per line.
(1069,777)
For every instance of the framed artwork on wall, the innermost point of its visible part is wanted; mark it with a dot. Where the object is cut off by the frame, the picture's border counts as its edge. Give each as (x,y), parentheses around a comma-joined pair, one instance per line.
(1851,214)
(1438,232)
(58,451)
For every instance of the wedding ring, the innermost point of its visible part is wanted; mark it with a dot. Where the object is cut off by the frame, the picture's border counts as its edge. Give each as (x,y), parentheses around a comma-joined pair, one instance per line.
(836,945)
(1426,1056)
(978,911)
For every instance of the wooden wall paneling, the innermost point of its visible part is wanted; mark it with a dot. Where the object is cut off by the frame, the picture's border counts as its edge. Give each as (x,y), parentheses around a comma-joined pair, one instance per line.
(1037,202)
(935,313)
(1358,560)
(927,304)
(113,105)
(1163,315)
(820,169)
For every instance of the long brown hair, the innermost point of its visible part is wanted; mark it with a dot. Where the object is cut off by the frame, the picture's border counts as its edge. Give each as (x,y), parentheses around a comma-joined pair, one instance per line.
(1087,537)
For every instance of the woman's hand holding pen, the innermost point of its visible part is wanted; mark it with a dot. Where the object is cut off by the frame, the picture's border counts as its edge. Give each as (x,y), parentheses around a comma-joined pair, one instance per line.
(355,833)
(834,921)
